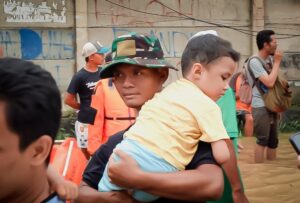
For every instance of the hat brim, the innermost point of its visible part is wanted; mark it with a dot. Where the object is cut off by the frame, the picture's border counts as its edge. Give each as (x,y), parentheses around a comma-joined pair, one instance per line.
(108,70)
(103,50)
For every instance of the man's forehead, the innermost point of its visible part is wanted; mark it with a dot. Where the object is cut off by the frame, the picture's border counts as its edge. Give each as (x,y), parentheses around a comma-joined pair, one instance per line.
(273,37)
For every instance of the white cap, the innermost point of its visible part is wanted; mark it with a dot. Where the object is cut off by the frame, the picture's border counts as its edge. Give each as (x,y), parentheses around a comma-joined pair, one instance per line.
(205,32)
(91,48)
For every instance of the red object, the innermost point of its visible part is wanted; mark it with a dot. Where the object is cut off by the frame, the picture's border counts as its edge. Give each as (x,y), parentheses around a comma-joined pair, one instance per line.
(68,160)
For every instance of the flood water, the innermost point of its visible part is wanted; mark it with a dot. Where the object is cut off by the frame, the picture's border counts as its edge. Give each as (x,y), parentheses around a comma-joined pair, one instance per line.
(273,181)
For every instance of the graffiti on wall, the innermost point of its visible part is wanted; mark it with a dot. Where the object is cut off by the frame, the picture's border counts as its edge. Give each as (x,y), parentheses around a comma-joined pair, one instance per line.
(20,11)
(166,12)
(31,44)
(52,49)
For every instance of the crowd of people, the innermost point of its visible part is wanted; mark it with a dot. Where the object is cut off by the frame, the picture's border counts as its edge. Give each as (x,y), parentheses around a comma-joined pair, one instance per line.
(145,143)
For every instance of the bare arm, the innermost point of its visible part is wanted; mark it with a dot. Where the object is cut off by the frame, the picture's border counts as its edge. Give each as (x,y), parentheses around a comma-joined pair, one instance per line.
(269,79)
(231,170)
(220,151)
(298,161)
(64,188)
(88,194)
(203,183)
(71,100)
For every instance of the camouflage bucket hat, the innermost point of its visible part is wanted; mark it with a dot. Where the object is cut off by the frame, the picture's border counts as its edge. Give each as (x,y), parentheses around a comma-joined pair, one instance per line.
(135,49)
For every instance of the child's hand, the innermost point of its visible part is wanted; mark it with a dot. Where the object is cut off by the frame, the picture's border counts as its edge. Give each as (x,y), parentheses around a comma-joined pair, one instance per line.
(66,189)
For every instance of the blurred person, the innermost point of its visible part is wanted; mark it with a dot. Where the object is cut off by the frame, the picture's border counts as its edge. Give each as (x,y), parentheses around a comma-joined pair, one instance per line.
(82,85)
(244,112)
(29,122)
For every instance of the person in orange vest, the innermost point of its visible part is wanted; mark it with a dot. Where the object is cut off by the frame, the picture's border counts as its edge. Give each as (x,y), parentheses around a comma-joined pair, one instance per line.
(112,114)
(244,112)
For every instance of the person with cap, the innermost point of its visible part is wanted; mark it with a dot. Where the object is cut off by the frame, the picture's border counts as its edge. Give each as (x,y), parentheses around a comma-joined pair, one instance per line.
(165,139)
(140,62)
(233,187)
(83,84)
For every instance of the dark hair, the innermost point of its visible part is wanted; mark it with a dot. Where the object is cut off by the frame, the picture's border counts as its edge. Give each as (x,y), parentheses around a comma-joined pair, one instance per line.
(32,99)
(86,59)
(205,49)
(108,57)
(262,37)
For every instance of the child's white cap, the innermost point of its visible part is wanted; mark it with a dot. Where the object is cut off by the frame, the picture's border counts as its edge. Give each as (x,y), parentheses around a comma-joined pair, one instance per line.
(205,32)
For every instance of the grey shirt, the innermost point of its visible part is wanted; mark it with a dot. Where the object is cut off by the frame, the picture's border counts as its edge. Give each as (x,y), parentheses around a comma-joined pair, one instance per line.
(258,70)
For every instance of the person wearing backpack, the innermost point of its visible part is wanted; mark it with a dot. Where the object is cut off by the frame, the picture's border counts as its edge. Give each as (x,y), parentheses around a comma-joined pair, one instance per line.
(243,95)
(263,71)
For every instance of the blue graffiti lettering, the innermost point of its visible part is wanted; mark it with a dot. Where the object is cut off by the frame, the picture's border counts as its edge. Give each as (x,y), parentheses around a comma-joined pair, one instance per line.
(31,44)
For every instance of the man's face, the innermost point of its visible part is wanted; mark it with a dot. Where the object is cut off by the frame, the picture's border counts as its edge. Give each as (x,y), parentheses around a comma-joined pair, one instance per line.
(215,77)
(137,84)
(97,59)
(272,46)
(14,164)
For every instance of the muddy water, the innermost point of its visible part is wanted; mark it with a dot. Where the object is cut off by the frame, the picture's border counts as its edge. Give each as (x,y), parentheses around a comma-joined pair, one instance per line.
(273,181)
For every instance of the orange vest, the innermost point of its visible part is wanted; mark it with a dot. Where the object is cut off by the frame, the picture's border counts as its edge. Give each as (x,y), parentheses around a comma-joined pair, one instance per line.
(240,105)
(68,160)
(112,114)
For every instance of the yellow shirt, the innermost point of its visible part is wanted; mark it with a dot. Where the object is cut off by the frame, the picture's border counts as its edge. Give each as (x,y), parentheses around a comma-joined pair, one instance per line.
(172,123)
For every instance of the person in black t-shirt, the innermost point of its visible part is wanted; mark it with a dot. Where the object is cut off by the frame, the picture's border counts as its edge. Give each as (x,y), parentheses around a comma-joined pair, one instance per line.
(83,84)
(203,179)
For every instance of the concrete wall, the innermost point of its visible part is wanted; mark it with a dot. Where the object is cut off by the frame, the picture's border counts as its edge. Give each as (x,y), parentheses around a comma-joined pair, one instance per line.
(170,21)
(284,17)
(58,32)
(286,20)
(173,27)
(42,32)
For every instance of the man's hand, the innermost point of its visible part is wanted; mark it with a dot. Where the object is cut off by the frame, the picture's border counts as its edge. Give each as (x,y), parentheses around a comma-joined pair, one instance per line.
(88,194)
(277,56)
(239,197)
(66,189)
(125,171)
(122,197)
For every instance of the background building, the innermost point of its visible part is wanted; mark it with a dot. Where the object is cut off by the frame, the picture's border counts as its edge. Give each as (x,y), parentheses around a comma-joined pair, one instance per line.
(52,32)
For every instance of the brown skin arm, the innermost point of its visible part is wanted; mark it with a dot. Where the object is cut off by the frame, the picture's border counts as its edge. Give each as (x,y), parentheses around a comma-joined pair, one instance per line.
(231,170)
(88,194)
(203,183)
(65,189)
(71,100)
(269,79)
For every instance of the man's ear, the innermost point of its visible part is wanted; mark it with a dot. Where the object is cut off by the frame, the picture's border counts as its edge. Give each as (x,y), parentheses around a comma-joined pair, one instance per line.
(266,44)
(164,73)
(40,150)
(91,57)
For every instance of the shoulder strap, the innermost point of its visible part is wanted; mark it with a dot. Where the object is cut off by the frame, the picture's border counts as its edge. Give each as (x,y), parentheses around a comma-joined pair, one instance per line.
(232,82)
(255,80)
